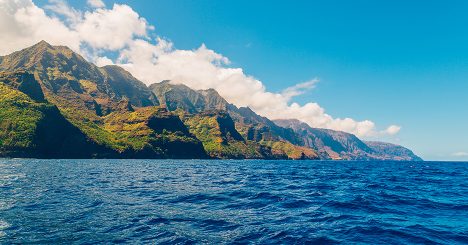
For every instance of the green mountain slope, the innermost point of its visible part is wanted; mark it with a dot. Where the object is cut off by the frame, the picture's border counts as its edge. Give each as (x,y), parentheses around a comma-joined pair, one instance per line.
(258,137)
(55,104)
(32,127)
(251,125)
(66,74)
(93,100)
(220,138)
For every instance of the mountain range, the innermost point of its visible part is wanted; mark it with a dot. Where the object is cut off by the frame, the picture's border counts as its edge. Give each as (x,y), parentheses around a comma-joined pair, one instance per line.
(55,104)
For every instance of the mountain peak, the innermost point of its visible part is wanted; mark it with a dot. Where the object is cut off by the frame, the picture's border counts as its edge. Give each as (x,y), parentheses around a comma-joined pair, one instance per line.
(38,48)
(40,55)
(42,43)
(212,94)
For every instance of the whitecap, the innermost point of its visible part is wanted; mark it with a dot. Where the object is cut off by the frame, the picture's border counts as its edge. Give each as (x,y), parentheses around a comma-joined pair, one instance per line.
(3,225)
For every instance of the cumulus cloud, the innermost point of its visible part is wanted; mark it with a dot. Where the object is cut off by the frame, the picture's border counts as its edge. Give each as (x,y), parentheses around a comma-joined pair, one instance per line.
(393,129)
(121,30)
(203,68)
(111,29)
(23,24)
(96,3)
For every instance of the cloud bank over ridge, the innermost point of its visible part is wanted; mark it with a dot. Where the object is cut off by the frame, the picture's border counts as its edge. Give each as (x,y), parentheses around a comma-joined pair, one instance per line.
(120,30)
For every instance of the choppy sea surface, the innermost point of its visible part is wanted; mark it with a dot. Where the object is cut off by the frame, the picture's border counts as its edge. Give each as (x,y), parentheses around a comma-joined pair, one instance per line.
(250,201)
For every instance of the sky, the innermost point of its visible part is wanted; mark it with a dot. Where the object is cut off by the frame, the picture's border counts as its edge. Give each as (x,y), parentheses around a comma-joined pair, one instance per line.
(384,70)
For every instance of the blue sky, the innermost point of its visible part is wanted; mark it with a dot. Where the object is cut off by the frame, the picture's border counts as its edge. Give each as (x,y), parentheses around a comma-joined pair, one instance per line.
(393,62)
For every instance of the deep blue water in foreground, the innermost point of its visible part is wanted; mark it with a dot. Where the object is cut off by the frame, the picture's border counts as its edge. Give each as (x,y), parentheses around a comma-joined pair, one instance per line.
(197,201)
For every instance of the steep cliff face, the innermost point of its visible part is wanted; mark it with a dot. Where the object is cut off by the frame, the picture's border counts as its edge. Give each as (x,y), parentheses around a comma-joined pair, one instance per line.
(251,125)
(179,96)
(114,112)
(55,104)
(220,138)
(152,132)
(126,86)
(392,151)
(260,128)
(344,146)
(252,128)
(25,83)
(31,127)
(64,74)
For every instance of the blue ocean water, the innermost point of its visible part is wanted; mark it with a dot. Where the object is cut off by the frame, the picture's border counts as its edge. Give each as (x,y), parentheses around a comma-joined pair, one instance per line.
(211,201)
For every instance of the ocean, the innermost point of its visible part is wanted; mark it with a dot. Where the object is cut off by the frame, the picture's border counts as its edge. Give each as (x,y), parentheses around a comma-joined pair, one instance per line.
(227,201)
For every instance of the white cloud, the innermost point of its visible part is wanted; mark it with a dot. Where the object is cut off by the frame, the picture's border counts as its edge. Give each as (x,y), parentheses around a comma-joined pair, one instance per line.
(121,30)
(96,3)
(111,29)
(393,129)
(103,61)
(203,68)
(62,8)
(23,24)
(460,154)
(299,88)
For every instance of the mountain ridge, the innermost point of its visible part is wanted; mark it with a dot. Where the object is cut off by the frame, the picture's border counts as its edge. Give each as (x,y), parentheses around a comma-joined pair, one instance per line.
(258,131)
(113,114)
(342,145)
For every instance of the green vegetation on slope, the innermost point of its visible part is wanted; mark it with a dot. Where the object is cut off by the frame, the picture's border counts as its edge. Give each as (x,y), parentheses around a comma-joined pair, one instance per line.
(56,104)
(96,103)
(291,151)
(152,130)
(220,139)
(37,129)
(19,116)
(255,136)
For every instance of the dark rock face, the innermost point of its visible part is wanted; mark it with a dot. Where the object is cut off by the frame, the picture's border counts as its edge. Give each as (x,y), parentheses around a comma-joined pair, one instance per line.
(265,129)
(227,127)
(31,87)
(24,82)
(55,137)
(220,139)
(125,85)
(171,123)
(32,127)
(179,96)
(161,122)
